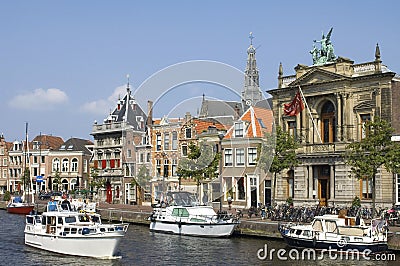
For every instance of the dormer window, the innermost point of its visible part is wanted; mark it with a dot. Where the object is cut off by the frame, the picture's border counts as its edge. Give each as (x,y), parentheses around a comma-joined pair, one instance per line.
(188,133)
(239,129)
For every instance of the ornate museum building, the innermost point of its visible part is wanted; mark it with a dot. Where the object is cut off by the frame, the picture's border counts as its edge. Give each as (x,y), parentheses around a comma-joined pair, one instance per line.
(338,96)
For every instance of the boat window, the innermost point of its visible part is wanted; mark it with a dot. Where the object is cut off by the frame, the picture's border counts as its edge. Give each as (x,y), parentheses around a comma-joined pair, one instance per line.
(317,226)
(38,219)
(96,219)
(331,227)
(59,220)
(29,220)
(69,220)
(298,232)
(306,233)
(180,212)
(51,220)
(66,230)
(196,220)
(73,230)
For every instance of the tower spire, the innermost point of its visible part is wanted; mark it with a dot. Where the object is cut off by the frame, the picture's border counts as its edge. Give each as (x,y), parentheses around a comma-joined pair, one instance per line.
(251,93)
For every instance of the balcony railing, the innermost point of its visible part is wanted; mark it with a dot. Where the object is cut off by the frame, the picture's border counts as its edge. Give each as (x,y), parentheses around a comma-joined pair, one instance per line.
(323,148)
(108,127)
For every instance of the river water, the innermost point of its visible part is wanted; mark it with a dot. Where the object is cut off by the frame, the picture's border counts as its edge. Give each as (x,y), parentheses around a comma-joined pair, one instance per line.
(141,247)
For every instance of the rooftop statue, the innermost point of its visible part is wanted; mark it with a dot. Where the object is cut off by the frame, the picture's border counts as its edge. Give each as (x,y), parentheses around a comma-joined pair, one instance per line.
(326,53)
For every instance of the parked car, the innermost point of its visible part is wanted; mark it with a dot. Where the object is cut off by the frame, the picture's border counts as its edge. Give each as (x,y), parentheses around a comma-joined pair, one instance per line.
(45,196)
(48,195)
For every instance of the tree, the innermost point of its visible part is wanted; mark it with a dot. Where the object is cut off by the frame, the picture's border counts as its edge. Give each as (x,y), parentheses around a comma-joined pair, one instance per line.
(201,163)
(282,147)
(57,180)
(373,152)
(141,182)
(26,178)
(96,182)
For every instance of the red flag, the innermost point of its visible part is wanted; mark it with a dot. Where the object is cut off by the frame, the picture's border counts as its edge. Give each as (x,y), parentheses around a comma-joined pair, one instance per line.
(295,107)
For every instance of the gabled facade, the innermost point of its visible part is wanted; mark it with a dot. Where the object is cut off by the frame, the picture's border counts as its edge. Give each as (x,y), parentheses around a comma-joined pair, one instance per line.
(115,143)
(4,171)
(39,160)
(242,179)
(340,97)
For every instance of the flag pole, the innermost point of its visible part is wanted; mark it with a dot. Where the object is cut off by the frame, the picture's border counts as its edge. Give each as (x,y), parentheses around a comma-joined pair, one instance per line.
(312,119)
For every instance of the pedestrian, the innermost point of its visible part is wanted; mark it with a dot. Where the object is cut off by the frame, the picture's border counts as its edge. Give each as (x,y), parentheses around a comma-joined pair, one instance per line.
(52,205)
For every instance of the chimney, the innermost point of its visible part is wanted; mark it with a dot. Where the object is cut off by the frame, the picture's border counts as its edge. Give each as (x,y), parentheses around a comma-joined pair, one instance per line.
(188,117)
(149,113)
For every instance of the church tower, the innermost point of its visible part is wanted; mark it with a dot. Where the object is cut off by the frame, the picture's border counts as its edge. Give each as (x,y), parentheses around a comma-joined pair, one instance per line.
(251,93)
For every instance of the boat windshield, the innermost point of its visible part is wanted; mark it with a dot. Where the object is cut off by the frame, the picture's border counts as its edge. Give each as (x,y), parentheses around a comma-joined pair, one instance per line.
(182,199)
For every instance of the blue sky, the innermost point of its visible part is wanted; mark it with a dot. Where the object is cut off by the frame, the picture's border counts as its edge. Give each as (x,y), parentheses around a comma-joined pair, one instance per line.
(64,63)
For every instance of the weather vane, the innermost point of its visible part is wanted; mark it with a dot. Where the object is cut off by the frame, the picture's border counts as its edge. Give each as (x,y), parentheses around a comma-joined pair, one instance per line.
(251,37)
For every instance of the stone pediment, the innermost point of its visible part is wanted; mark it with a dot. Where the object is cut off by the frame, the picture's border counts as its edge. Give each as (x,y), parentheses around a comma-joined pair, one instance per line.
(315,76)
(366,105)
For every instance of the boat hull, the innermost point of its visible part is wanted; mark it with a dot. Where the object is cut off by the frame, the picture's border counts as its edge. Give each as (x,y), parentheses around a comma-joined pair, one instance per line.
(334,245)
(194,229)
(20,209)
(97,246)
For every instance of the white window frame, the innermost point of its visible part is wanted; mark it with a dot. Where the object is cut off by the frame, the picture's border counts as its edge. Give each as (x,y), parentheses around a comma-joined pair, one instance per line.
(251,156)
(239,130)
(239,157)
(56,165)
(228,157)
(74,165)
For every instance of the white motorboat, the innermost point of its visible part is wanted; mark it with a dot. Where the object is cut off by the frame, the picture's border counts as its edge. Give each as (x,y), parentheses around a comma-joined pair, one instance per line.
(181,215)
(337,233)
(73,233)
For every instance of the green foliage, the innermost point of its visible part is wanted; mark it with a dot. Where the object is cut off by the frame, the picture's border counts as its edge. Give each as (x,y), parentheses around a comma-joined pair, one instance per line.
(284,154)
(201,162)
(356,202)
(7,196)
(143,178)
(96,182)
(289,201)
(374,151)
(26,178)
(57,180)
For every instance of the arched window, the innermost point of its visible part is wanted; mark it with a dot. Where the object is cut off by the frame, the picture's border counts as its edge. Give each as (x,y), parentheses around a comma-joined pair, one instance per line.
(328,122)
(64,183)
(56,164)
(74,165)
(64,167)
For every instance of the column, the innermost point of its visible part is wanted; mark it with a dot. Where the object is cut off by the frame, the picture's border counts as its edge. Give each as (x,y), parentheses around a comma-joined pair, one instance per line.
(339,116)
(332,183)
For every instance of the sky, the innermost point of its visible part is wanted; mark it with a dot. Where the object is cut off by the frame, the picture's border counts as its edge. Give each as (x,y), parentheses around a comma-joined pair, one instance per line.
(64,64)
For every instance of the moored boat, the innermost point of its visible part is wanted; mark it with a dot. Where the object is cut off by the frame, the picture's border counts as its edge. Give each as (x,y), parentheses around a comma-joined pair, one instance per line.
(73,233)
(183,216)
(18,207)
(337,233)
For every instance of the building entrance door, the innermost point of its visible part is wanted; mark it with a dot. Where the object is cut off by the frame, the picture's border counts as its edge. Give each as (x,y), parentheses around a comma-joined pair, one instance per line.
(323,191)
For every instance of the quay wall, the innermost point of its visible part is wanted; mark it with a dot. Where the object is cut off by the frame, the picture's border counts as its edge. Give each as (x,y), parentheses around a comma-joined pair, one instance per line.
(254,227)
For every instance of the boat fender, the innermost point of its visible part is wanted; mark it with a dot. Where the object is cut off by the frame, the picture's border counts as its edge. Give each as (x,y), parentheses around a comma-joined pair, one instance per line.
(85,231)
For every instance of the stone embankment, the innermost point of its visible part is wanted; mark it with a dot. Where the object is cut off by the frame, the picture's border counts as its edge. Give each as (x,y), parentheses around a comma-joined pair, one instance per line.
(252,227)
